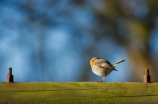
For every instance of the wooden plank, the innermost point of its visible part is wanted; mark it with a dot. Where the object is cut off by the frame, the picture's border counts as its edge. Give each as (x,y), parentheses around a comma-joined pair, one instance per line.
(78,92)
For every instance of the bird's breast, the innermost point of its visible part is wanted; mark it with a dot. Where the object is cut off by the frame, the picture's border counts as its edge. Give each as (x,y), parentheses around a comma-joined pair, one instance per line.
(101,71)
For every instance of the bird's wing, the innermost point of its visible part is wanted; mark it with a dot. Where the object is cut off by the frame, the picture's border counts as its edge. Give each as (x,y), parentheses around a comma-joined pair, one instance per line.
(106,65)
(103,64)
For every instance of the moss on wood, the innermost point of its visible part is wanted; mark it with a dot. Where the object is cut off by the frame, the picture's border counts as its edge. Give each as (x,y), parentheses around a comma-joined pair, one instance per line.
(78,92)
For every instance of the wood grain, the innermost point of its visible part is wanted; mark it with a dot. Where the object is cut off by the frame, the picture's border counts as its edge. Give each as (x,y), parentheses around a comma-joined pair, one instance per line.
(78,93)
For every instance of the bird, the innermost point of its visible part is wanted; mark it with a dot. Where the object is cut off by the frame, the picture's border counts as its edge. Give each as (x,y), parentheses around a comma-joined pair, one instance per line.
(102,67)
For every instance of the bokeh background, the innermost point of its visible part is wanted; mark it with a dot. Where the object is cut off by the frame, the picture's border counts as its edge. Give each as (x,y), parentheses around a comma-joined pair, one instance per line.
(53,40)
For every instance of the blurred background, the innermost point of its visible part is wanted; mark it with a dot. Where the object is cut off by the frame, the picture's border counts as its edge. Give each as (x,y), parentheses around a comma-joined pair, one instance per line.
(53,40)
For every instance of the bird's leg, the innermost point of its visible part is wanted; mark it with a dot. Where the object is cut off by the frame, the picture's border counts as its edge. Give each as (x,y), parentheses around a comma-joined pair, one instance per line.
(102,79)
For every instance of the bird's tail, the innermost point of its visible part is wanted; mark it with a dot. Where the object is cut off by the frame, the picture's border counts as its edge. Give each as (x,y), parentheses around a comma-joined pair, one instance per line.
(114,64)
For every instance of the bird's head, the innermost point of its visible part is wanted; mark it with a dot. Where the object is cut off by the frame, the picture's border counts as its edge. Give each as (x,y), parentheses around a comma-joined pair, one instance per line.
(92,60)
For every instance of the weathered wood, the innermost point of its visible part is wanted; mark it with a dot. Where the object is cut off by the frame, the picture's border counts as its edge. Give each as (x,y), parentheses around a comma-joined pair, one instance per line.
(146,76)
(10,77)
(78,92)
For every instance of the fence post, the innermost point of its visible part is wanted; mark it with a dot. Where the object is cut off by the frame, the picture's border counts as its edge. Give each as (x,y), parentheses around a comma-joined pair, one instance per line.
(146,76)
(10,77)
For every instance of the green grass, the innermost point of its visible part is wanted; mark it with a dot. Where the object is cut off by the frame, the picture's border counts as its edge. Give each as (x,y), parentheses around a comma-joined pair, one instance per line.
(78,93)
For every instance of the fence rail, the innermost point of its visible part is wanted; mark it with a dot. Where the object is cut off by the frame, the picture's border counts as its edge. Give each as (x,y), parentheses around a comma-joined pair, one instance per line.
(78,92)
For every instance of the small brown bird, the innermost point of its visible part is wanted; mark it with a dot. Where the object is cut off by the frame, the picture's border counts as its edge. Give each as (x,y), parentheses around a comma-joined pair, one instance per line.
(102,67)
